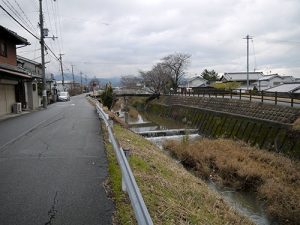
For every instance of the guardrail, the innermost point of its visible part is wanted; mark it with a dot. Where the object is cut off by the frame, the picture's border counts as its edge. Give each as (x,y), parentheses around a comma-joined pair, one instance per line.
(258,96)
(129,184)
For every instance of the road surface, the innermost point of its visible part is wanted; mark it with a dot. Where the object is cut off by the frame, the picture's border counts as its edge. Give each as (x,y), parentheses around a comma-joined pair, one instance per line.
(53,166)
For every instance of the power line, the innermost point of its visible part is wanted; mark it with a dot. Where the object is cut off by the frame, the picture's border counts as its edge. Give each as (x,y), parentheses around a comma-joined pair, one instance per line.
(16,13)
(48,48)
(18,22)
(32,26)
(57,24)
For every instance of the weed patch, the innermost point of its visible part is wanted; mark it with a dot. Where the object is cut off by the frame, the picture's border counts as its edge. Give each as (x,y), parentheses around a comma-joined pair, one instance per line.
(275,178)
(296,124)
(172,194)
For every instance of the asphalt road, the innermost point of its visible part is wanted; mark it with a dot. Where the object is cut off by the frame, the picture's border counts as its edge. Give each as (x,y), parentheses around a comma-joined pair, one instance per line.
(53,166)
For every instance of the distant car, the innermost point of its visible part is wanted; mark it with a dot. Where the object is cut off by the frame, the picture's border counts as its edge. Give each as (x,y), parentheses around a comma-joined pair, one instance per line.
(64,96)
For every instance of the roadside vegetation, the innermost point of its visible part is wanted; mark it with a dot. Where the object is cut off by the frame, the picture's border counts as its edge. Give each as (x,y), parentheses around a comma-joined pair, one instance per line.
(275,178)
(296,125)
(133,113)
(172,194)
(124,213)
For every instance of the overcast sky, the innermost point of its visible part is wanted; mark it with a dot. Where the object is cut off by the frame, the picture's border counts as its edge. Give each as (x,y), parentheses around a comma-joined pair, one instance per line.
(106,38)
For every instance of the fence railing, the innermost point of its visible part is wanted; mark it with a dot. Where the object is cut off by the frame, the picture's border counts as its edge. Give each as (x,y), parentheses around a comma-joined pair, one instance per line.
(258,96)
(129,184)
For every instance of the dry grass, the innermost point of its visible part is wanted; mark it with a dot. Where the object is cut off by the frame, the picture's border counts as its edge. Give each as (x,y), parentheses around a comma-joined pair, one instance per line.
(133,113)
(172,194)
(275,178)
(296,124)
(117,105)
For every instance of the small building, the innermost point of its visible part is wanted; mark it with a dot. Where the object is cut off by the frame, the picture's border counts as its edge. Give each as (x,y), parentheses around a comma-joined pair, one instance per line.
(68,85)
(12,77)
(268,81)
(193,83)
(288,79)
(241,77)
(34,69)
(287,88)
(272,80)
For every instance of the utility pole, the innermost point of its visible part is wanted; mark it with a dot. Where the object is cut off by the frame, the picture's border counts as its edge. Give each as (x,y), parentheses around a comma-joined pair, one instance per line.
(81,81)
(42,42)
(62,71)
(247,38)
(73,77)
(86,84)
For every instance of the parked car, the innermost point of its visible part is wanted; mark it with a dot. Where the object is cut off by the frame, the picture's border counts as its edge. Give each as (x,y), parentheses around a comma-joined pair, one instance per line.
(64,96)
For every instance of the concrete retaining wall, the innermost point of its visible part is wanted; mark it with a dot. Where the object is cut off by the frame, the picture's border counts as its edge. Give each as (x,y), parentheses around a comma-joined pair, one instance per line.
(263,133)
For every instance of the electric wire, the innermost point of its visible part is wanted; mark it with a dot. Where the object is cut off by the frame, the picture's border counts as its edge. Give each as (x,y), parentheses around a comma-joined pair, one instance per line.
(26,17)
(17,14)
(18,22)
(29,27)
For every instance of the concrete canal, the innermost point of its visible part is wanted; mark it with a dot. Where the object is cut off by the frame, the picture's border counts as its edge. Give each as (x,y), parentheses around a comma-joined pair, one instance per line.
(158,130)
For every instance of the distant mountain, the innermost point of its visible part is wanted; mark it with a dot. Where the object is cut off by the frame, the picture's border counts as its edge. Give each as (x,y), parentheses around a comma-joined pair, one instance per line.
(115,81)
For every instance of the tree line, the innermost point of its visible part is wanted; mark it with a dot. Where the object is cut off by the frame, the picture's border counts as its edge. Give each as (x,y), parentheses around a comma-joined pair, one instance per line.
(165,75)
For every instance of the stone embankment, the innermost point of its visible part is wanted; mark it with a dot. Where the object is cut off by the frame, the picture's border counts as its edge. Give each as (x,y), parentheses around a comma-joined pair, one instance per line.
(265,126)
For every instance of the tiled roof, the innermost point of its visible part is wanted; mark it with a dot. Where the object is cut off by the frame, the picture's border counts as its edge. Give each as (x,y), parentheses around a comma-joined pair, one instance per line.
(21,58)
(269,77)
(13,70)
(13,35)
(242,76)
(288,87)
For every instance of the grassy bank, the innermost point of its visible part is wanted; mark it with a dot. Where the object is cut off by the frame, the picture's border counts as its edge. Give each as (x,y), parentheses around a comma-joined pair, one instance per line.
(171,193)
(235,164)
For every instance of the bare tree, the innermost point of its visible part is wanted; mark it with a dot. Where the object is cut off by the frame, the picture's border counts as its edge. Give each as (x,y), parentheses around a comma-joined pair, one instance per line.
(130,81)
(176,64)
(156,79)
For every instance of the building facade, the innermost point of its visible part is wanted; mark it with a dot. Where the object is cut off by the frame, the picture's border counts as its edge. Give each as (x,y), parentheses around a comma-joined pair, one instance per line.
(12,77)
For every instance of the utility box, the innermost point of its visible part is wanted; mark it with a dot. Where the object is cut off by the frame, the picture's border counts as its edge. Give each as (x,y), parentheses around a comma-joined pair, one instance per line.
(17,107)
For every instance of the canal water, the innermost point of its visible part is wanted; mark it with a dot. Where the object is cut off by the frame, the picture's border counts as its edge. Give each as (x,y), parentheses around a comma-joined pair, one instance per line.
(244,202)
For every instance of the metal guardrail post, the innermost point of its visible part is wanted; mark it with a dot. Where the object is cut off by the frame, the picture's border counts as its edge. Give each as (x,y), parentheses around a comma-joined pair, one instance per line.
(292,101)
(262,96)
(240,94)
(231,93)
(250,96)
(128,181)
(276,95)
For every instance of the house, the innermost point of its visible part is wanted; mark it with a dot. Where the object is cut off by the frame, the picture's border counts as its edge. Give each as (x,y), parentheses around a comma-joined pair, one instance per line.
(288,79)
(241,77)
(193,83)
(268,81)
(34,69)
(272,80)
(68,85)
(51,87)
(12,77)
(287,88)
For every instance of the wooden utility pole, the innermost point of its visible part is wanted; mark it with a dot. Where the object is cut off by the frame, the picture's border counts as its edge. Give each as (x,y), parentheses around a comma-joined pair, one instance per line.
(81,82)
(73,77)
(42,42)
(62,71)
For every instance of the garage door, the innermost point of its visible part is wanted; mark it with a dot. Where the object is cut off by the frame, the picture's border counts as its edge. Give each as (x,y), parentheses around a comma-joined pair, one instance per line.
(7,98)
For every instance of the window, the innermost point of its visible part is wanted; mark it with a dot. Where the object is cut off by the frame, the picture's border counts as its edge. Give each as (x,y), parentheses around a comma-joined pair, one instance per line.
(3,49)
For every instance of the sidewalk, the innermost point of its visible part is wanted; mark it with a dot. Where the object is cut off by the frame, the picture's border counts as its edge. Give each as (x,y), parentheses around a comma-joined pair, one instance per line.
(12,115)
